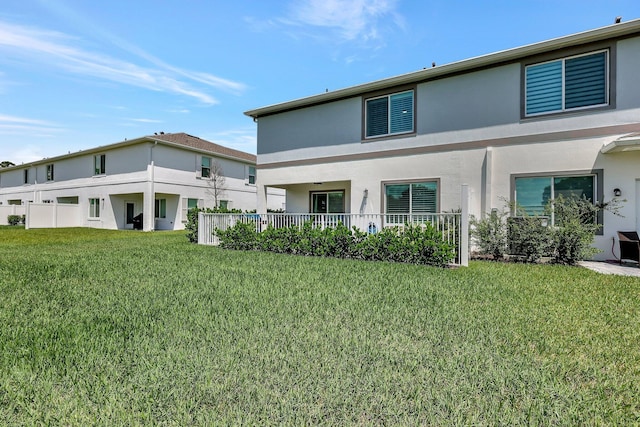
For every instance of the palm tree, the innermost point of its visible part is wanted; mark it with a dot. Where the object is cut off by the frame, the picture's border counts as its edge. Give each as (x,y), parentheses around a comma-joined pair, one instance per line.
(6,164)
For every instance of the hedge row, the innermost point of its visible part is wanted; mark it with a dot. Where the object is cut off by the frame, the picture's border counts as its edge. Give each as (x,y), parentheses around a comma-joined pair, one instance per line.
(419,244)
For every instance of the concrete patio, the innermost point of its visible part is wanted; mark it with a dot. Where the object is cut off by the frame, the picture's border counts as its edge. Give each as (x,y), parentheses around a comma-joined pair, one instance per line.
(624,269)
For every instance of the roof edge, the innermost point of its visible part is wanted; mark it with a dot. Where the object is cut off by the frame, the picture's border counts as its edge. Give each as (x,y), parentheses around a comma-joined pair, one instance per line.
(602,33)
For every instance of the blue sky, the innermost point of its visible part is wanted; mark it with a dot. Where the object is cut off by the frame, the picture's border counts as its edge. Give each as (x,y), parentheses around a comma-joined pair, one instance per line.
(75,74)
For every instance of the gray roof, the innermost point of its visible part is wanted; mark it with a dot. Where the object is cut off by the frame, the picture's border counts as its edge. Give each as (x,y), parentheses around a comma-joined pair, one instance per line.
(599,34)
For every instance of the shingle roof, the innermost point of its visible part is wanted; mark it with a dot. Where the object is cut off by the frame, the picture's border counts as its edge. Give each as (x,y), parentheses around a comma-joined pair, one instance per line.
(204,145)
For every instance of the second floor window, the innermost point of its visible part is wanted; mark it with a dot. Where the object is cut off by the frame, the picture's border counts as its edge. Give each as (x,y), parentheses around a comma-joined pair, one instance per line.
(389,114)
(26,176)
(251,175)
(206,167)
(99,163)
(50,172)
(567,84)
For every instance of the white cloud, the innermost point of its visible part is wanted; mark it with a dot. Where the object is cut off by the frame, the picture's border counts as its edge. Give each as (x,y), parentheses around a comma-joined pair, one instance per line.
(146,120)
(12,125)
(352,20)
(58,50)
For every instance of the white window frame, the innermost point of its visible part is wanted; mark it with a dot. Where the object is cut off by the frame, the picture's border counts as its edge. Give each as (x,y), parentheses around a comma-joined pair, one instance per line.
(99,164)
(563,60)
(160,209)
(203,168)
(254,175)
(94,208)
(185,207)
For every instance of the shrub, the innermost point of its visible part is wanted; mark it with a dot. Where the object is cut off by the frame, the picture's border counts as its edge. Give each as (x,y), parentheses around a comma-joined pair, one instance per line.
(568,241)
(529,236)
(15,219)
(576,226)
(416,244)
(490,234)
(191,227)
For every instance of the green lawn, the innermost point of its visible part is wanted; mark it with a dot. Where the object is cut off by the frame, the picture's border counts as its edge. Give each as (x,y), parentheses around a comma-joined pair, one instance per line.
(128,328)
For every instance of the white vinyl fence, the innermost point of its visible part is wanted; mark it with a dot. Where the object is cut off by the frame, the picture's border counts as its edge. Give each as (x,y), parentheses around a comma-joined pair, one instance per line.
(44,215)
(6,210)
(453,226)
(449,224)
(52,215)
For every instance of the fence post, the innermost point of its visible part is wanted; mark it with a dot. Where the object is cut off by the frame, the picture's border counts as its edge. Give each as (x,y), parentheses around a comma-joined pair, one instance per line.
(27,215)
(201,228)
(464,225)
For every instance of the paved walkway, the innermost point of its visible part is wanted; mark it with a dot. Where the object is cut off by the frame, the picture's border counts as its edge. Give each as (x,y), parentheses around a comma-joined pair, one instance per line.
(626,269)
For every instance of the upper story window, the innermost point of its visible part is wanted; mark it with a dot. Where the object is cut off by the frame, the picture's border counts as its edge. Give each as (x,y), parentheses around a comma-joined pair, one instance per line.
(251,175)
(50,172)
(567,84)
(389,114)
(205,167)
(25,176)
(99,163)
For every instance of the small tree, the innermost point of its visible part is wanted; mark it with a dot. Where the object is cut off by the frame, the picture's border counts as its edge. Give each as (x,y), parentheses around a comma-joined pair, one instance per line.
(490,233)
(216,182)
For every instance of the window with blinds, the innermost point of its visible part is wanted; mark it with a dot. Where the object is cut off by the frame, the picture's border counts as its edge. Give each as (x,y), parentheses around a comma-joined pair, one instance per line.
(411,198)
(567,84)
(389,114)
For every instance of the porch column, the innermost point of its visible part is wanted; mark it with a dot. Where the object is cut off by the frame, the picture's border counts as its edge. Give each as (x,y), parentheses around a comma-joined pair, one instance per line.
(148,210)
(464,225)
(262,198)
(149,203)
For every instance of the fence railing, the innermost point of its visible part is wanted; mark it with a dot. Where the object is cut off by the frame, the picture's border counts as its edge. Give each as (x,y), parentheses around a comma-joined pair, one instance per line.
(451,225)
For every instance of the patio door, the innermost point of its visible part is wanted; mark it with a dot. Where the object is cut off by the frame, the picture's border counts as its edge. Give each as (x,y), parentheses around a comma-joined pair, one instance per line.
(129,210)
(327,202)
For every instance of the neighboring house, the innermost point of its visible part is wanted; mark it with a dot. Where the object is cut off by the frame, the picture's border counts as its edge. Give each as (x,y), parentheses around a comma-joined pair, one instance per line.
(522,125)
(160,176)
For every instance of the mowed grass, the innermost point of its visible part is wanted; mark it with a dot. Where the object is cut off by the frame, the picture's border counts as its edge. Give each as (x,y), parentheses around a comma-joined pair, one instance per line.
(128,328)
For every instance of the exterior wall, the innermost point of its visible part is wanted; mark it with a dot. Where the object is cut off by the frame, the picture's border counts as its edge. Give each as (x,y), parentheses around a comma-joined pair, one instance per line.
(469,130)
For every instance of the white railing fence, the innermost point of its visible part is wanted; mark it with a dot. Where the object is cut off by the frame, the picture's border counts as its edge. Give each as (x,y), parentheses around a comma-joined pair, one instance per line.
(449,224)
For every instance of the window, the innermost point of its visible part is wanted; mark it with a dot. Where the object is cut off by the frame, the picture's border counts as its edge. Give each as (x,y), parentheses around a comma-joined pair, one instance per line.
(224,204)
(251,175)
(188,204)
(161,208)
(411,197)
(327,202)
(571,83)
(205,167)
(50,172)
(99,163)
(94,208)
(533,193)
(25,175)
(389,114)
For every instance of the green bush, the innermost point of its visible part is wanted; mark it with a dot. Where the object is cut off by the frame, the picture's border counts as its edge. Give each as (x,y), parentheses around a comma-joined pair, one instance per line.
(15,219)
(419,244)
(191,227)
(576,226)
(567,241)
(490,234)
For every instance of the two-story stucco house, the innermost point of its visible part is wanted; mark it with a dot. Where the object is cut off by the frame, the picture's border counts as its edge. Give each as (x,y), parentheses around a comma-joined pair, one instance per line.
(522,125)
(160,176)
